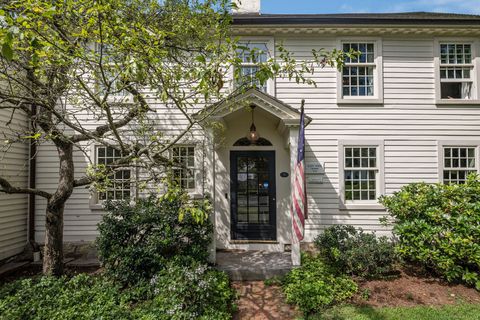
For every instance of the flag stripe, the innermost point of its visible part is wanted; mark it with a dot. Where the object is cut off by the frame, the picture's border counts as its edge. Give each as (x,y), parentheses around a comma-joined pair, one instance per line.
(299,196)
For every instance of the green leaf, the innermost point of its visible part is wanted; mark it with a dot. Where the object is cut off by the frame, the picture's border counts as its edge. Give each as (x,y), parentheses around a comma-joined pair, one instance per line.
(200,59)
(7,51)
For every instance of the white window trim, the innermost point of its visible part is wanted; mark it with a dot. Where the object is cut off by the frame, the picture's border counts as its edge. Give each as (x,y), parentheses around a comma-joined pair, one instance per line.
(475,72)
(377,98)
(196,192)
(456,143)
(361,204)
(96,204)
(270,43)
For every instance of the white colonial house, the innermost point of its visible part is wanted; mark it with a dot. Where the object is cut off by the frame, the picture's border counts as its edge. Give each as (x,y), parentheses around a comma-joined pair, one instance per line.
(407,110)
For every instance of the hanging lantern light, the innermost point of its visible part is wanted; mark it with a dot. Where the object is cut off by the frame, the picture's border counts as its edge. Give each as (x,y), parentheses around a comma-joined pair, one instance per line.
(253,135)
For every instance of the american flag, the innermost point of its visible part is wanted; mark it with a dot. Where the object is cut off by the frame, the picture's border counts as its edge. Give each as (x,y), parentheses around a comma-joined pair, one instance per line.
(299,196)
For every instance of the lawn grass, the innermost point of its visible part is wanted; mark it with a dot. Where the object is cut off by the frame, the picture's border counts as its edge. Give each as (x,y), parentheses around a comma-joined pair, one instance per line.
(448,312)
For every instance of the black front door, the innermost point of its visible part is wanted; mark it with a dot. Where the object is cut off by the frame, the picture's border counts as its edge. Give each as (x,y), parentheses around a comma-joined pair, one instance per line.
(252,185)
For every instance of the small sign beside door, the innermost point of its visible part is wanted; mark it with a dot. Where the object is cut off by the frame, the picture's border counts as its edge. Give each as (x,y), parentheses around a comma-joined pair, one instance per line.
(314,172)
(315,179)
(315,168)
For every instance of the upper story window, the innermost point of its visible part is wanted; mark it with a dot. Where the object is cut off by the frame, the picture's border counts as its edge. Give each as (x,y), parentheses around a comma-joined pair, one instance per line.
(358,73)
(109,78)
(184,171)
(360,80)
(456,71)
(458,163)
(257,52)
(120,187)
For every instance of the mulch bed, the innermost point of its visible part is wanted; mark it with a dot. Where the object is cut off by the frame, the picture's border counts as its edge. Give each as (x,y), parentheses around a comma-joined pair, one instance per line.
(413,288)
(32,270)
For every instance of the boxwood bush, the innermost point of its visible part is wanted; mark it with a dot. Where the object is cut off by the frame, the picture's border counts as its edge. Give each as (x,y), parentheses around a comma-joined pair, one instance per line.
(137,239)
(314,286)
(439,226)
(355,252)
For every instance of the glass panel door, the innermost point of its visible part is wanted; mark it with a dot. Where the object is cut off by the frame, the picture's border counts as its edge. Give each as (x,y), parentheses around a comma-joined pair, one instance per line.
(253,195)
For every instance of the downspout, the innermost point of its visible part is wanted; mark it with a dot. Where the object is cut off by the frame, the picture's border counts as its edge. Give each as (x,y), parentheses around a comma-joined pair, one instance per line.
(32,172)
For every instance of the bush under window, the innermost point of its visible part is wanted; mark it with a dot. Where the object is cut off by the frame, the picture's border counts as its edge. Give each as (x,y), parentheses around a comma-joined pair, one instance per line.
(439,226)
(136,240)
(355,252)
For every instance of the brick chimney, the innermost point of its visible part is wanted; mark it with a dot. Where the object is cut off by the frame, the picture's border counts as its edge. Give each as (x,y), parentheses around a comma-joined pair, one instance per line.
(247,7)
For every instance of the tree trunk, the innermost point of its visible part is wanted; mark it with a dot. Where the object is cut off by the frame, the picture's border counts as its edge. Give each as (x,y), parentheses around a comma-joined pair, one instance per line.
(53,251)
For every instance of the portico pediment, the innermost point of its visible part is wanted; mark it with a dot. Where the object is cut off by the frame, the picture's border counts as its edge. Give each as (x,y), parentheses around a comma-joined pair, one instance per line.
(287,115)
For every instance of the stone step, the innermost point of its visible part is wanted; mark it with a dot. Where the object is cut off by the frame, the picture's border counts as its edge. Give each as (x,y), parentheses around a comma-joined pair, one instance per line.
(253,265)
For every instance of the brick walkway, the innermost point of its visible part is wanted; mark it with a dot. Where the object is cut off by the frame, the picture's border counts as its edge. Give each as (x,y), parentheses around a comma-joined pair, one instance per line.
(260,302)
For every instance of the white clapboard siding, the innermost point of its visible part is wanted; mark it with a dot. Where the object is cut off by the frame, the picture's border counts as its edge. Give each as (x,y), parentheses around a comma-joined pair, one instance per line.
(409,124)
(14,168)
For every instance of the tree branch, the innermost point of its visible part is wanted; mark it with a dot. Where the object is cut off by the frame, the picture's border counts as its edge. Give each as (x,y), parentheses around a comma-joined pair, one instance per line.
(6,187)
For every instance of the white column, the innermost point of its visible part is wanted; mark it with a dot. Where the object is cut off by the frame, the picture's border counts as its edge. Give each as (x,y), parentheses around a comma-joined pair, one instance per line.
(293,145)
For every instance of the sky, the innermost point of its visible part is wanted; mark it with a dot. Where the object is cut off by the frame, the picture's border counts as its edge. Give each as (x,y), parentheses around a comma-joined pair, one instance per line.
(361,6)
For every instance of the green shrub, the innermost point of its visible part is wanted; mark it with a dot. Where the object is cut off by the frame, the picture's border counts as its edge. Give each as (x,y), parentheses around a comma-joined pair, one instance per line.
(80,297)
(192,291)
(439,226)
(314,286)
(179,291)
(355,252)
(137,239)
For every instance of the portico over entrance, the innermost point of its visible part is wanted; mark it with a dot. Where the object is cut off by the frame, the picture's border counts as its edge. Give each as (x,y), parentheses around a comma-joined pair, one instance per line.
(250,179)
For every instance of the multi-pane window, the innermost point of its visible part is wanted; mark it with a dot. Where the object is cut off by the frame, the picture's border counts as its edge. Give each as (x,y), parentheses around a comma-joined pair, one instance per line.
(252,53)
(110,82)
(183,158)
(360,173)
(456,71)
(109,78)
(358,72)
(458,163)
(119,187)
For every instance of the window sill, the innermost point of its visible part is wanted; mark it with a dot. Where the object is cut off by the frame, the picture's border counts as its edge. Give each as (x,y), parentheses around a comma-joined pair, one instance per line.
(195,195)
(362,206)
(458,102)
(96,206)
(367,102)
